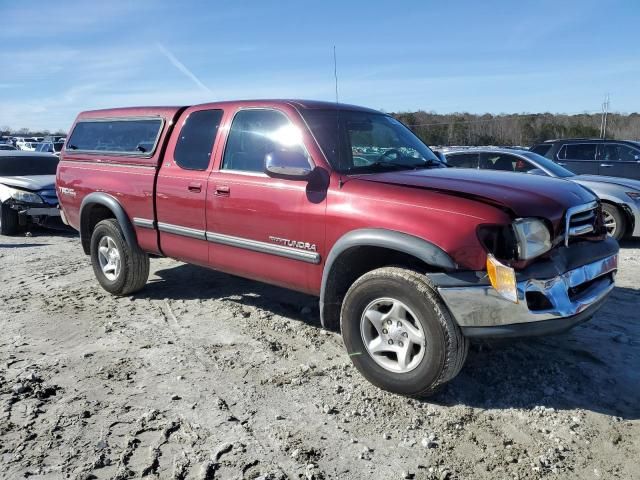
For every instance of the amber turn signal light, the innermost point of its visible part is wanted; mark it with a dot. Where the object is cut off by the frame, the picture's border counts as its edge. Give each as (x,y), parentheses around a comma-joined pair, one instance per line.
(503,279)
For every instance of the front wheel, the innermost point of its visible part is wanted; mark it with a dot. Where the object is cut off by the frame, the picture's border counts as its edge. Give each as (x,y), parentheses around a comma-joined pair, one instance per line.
(119,268)
(399,334)
(9,224)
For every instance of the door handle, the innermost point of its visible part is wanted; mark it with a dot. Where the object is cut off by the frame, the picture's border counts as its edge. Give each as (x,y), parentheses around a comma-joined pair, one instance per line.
(195,187)
(222,190)
(606,165)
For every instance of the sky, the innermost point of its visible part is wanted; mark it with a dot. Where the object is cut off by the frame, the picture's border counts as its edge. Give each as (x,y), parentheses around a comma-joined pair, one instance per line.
(59,58)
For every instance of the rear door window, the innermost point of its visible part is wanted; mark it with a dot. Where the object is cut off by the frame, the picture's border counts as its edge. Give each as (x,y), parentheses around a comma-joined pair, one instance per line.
(580,151)
(463,160)
(195,144)
(124,137)
(542,149)
(498,161)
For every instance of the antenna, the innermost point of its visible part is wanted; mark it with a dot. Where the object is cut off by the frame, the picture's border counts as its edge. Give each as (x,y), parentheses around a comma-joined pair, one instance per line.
(335,72)
(338,147)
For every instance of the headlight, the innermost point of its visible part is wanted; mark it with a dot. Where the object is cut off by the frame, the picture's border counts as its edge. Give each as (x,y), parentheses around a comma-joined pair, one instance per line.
(533,238)
(634,195)
(26,197)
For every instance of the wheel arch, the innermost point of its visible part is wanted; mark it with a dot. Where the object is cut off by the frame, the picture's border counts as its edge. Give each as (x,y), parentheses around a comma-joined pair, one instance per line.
(98,206)
(363,250)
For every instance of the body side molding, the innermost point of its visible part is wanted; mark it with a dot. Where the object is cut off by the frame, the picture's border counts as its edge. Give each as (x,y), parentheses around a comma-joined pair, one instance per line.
(263,247)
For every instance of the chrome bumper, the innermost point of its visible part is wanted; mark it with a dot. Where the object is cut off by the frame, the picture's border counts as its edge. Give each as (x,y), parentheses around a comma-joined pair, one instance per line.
(567,295)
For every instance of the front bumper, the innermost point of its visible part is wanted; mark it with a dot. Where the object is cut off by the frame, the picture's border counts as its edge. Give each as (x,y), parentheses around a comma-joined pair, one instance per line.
(545,304)
(35,214)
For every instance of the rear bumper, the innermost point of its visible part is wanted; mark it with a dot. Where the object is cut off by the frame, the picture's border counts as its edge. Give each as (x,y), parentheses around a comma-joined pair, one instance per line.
(545,304)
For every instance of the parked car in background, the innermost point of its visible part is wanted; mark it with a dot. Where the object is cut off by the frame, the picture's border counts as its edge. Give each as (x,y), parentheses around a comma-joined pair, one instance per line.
(615,158)
(7,146)
(54,147)
(27,144)
(27,190)
(620,197)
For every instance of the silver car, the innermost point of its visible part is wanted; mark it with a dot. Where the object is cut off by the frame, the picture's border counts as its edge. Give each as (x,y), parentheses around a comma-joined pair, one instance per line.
(620,196)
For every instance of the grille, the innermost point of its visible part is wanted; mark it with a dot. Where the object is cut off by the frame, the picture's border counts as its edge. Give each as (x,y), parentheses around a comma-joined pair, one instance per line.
(581,220)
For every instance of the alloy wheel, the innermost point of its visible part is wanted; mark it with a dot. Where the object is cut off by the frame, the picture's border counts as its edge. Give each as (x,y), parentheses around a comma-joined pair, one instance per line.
(109,258)
(610,223)
(392,335)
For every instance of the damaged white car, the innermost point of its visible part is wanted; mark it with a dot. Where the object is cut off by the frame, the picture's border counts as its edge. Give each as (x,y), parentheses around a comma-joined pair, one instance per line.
(27,191)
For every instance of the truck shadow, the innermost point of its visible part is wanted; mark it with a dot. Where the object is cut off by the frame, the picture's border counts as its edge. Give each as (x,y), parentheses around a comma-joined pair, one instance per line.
(592,367)
(190,282)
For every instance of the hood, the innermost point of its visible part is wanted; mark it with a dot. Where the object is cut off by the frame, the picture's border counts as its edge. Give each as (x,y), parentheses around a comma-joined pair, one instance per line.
(523,195)
(31,182)
(623,182)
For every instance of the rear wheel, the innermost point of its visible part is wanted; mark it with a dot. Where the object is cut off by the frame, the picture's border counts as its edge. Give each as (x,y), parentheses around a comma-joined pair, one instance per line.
(120,269)
(399,334)
(8,220)
(614,221)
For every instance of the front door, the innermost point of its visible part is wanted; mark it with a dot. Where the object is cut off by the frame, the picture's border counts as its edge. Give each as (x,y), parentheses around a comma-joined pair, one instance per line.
(182,187)
(580,158)
(261,227)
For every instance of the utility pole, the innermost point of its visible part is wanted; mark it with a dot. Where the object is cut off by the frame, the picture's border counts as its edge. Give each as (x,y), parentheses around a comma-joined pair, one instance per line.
(603,120)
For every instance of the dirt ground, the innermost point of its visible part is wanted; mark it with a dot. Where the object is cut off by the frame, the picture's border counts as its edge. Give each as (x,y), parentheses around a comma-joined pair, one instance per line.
(202,375)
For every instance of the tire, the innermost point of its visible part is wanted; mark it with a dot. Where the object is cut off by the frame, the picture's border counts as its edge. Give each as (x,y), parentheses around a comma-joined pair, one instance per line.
(8,220)
(120,269)
(614,216)
(380,291)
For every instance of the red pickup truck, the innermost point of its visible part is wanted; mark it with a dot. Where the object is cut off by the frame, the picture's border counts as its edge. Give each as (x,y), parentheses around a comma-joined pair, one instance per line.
(409,258)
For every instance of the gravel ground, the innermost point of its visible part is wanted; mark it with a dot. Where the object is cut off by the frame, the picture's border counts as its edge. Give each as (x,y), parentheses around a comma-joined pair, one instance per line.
(203,375)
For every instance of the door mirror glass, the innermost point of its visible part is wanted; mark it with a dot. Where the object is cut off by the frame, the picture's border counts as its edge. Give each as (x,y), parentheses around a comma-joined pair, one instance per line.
(287,164)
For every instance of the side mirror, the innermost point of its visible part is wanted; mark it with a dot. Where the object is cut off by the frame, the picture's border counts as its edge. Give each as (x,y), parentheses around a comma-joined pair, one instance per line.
(288,165)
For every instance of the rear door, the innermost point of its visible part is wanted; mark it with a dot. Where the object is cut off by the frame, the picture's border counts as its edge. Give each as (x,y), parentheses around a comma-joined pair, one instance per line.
(579,157)
(261,227)
(619,160)
(181,190)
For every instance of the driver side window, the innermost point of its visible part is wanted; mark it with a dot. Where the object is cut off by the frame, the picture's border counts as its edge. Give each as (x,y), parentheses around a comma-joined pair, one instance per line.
(255,133)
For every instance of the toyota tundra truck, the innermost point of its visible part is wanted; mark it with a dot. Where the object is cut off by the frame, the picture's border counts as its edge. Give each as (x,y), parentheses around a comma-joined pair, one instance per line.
(409,259)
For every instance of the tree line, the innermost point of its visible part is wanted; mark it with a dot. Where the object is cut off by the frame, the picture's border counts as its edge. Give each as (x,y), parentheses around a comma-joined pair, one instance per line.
(515,129)
(487,129)
(27,132)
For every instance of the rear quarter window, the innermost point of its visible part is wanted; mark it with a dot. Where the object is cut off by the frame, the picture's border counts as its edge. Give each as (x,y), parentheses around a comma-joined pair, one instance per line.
(120,137)
(541,149)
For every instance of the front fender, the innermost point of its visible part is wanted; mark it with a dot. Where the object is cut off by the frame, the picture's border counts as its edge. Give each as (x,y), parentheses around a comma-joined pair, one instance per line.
(419,248)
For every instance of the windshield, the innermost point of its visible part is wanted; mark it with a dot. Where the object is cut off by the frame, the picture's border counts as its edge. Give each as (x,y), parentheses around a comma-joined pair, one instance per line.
(12,166)
(363,142)
(555,169)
